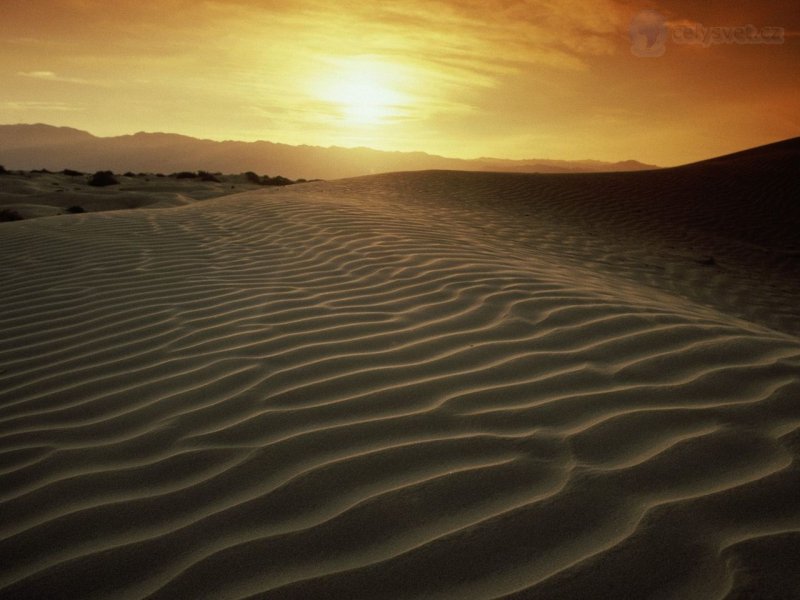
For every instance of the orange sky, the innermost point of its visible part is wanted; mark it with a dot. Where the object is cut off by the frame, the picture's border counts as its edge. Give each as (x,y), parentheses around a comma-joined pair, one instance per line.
(466,78)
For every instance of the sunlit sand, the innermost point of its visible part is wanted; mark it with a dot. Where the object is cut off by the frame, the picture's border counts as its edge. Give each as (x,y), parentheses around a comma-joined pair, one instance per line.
(411,385)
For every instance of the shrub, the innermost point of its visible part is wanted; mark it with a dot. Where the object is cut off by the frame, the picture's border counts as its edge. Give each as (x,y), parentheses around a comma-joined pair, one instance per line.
(103,178)
(75,210)
(7,214)
(72,173)
(129,174)
(267,180)
(204,176)
(3,170)
(184,175)
(276,181)
(253,178)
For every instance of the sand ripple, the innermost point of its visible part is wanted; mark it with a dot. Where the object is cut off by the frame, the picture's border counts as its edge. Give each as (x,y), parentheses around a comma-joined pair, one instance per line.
(324,392)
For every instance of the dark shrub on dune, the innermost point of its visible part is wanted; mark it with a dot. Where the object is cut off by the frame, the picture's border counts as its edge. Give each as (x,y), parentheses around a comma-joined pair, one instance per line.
(6,214)
(253,178)
(72,173)
(129,174)
(3,170)
(205,176)
(267,180)
(184,175)
(279,180)
(76,210)
(103,178)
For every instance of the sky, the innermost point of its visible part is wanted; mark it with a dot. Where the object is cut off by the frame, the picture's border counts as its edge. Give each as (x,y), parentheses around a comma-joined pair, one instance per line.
(664,82)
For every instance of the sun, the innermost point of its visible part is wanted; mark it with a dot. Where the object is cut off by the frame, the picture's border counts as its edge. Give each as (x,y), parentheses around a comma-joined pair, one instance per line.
(365,102)
(365,92)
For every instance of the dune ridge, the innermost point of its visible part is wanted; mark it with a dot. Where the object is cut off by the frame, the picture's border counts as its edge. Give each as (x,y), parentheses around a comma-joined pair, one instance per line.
(422,385)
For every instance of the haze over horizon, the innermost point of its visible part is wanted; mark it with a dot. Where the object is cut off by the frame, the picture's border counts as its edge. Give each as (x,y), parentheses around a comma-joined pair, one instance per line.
(457,78)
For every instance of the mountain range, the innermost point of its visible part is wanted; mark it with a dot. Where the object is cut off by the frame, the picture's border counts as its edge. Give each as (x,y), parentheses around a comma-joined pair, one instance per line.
(41,146)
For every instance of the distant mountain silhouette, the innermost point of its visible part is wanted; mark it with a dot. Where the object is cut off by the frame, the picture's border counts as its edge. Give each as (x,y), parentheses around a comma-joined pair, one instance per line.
(55,148)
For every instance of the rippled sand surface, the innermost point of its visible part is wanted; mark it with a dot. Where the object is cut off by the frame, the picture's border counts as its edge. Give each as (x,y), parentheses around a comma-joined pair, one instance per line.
(421,385)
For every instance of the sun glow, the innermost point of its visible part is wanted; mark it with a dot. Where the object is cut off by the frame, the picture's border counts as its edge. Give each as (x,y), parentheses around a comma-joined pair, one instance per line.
(366,92)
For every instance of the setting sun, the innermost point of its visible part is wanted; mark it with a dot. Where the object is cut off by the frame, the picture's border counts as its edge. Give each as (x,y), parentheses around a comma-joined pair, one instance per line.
(366,92)
(366,103)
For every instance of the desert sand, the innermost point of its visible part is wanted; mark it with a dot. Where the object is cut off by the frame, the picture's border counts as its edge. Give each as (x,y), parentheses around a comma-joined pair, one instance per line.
(413,385)
(33,194)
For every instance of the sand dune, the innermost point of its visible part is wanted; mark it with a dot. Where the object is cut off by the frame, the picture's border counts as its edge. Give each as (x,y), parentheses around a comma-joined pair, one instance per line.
(423,385)
(44,194)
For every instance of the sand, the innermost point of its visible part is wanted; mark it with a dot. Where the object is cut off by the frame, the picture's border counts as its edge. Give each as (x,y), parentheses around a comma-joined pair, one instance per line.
(416,385)
(34,194)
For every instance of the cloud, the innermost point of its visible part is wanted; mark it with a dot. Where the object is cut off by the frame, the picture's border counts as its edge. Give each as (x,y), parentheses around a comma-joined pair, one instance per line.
(444,57)
(477,36)
(34,106)
(27,41)
(51,76)
(489,34)
(38,74)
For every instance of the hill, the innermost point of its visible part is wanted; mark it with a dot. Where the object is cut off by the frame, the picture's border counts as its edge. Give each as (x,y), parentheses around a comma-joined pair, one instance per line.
(44,146)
